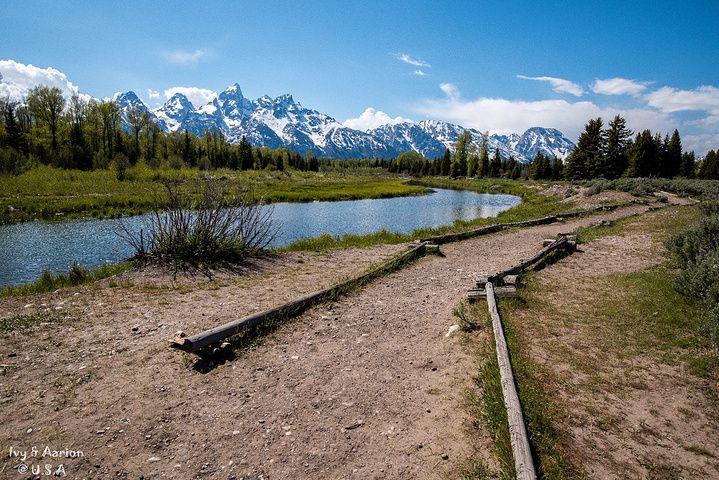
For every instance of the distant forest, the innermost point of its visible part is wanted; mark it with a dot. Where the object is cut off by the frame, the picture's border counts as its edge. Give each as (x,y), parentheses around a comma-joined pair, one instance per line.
(77,134)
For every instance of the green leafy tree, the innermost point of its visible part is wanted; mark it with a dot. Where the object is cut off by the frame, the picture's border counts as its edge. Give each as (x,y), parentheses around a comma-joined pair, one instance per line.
(45,105)
(461,152)
(643,155)
(672,156)
(446,163)
(709,168)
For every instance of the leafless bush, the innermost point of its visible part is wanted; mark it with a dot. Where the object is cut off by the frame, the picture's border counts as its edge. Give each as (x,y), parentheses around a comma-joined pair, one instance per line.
(212,226)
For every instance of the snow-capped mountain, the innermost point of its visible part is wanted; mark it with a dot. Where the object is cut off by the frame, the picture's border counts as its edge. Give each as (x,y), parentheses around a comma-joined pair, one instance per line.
(283,122)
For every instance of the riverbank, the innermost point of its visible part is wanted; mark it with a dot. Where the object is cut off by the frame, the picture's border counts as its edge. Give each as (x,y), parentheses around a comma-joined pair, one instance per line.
(47,192)
(367,385)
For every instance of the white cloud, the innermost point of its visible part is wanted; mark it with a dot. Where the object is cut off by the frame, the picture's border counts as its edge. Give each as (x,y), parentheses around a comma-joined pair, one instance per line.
(411,61)
(153,94)
(503,116)
(372,118)
(618,86)
(703,99)
(420,73)
(559,85)
(700,144)
(19,78)
(197,96)
(186,58)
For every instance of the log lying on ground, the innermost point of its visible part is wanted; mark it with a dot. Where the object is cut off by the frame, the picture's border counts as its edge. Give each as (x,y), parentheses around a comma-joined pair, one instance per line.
(523,463)
(508,291)
(295,307)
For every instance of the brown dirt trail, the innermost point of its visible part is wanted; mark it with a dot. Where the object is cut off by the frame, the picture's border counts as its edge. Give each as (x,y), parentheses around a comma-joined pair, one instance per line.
(366,387)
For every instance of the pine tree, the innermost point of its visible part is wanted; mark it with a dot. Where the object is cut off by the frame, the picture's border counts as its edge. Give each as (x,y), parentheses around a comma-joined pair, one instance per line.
(495,165)
(688,165)
(615,157)
(709,168)
(446,163)
(673,156)
(587,155)
(642,155)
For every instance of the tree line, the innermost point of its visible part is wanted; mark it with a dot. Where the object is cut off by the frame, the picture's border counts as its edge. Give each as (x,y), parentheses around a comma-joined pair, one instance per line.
(78,134)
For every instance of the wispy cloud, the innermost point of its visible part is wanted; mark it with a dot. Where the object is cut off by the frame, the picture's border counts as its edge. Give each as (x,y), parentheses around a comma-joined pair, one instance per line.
(420,73)
(618,86)
(153,94)
(450,90)
(197,96)
(187,58)
(559,85)
(402,57)
(372,118)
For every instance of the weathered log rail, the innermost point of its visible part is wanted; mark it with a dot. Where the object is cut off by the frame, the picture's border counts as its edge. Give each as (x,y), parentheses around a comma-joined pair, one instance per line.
(521,450)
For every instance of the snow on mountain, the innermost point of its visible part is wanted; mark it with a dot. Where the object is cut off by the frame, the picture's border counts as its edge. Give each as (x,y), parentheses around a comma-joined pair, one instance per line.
(283,122)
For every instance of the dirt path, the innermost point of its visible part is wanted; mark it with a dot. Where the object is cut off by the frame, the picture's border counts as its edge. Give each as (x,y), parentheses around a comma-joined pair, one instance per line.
(368,386)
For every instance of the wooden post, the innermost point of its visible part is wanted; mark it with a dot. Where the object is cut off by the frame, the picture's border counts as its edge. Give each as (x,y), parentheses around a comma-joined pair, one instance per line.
(523,462)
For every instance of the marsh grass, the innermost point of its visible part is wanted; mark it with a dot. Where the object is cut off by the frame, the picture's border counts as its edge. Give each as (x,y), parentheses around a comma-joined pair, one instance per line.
(48,192)
(76,275)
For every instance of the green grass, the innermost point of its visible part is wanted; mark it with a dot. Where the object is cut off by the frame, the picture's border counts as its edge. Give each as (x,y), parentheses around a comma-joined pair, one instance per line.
(47,192)
(548,443)
(25,321)
(47,282)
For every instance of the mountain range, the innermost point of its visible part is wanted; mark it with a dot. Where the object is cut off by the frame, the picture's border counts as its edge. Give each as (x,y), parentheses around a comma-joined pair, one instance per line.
(283,122)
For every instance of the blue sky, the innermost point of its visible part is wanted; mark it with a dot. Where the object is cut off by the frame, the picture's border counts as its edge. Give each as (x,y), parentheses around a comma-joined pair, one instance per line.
(495,66)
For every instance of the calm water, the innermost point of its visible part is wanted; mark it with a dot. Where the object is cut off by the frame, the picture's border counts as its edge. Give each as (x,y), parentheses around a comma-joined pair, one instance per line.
(26,249)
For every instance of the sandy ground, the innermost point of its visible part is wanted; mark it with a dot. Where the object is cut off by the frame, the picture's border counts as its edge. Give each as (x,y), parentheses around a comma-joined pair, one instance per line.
(366,387)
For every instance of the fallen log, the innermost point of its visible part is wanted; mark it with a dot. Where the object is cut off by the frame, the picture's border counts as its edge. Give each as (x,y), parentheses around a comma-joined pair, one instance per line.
(523,463)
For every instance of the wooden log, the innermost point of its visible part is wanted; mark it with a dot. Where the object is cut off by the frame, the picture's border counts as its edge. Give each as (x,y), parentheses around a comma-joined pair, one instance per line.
(523,463)
(547,241)
(511,280)
(508,291)
(523,265)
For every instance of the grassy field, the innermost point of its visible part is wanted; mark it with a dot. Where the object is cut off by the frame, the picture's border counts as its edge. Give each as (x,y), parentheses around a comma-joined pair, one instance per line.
(633,318)
(47,192)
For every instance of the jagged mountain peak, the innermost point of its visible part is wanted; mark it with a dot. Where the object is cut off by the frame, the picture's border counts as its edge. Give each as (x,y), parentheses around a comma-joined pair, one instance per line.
(283,122)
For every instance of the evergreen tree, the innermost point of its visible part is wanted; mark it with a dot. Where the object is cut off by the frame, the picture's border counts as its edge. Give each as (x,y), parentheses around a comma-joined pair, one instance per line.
(643,155)
(688,165)
(446,163)
(483,169)
(709,168)
(495,166)
(587,155)
(619,138)
(673,156)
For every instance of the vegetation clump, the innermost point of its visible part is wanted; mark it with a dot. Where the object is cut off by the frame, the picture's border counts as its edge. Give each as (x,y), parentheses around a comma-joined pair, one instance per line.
(696,252)
(212,226)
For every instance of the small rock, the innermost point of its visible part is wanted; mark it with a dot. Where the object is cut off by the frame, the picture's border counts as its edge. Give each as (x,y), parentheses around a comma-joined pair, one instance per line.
(451,330)
(445,456)
(135,328)
(235,432)
(180,334)
(29,430)
(153,459)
